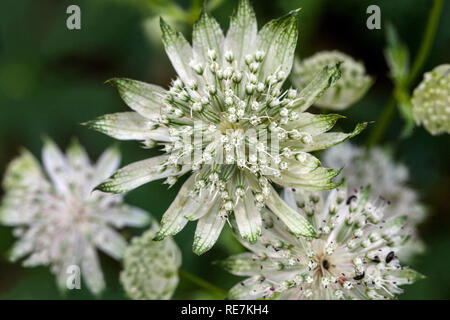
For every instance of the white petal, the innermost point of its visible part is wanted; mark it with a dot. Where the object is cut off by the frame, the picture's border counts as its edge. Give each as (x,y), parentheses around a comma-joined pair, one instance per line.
(127,215)
(110,242)
(137,174)
(241,36)
(144,98)
(106,164)
(179,51)
(208,230)
(91,271)
(55,163)
(207,35)
(293,220)
(248,217)
(128,126)
(277,39)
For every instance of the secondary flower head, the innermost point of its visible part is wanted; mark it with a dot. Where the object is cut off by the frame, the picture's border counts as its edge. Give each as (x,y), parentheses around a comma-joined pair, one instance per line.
(353,257)
(431,100)
(151,267)
(352,85)
(387,179)
(227,120)
(58,219)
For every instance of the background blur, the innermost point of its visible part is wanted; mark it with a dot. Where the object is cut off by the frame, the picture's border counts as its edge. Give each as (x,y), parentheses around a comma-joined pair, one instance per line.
(52,79)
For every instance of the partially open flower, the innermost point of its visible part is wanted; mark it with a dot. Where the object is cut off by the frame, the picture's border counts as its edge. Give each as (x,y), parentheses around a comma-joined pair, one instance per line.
(58,219)
(228,121)
(388,180)
(353,257)
(151,267)
(431,100)
(352,85)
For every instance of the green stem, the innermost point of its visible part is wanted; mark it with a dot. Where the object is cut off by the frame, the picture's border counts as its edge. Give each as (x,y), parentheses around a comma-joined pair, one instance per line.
(427,41)
(220,293)
(424,50)
(382,123)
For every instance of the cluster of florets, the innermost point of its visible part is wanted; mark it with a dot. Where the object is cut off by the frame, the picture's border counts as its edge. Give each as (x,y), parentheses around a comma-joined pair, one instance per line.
(151,267)
(353,257)
(431,100)
(352,85)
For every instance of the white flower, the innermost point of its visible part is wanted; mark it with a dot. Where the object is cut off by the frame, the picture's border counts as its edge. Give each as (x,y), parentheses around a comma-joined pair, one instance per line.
(353,257)
(151,267)
(227,120)
(58,219)
(352,85)
(387,179)
(431,100)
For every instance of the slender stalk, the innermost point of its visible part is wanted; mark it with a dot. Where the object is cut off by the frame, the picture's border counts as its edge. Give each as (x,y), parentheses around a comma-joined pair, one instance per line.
(424,50)
(218,292)
(427,41)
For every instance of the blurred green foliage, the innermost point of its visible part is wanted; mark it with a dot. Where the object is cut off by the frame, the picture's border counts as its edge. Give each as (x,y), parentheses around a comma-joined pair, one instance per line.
(52,79)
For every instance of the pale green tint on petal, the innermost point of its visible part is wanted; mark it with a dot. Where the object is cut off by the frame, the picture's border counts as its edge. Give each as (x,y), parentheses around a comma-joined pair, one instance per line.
(207,35)
(150,267)
(179,51)
(91,272)
(208,230)
(144,98)
(77,156)
(277,39)
(314,124)
(293,220)
(242,34)
(20,249)
(107,163)
(136,174)
(128,216)
(248,217)
(55,163)
(197,207)
(250,289)
(326,140)
(173,219)
(316,180)
(110,242)
(349,88)
(323,80)
(128,126)
(22,171)
(248,264)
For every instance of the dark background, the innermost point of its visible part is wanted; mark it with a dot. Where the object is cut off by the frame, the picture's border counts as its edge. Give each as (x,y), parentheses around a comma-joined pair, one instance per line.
(52,79)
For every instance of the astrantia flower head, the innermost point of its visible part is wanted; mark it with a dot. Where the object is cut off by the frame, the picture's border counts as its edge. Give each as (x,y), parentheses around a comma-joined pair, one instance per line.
(352,85)
(353,257)
(58,219)
(151,267)
(388,180)
(431,100)
(227,120)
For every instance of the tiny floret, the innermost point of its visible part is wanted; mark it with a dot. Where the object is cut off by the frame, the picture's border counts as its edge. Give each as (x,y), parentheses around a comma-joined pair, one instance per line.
(431,100)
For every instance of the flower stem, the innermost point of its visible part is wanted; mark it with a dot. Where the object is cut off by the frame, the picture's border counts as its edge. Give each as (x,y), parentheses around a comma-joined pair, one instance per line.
(216,291)
(424,50)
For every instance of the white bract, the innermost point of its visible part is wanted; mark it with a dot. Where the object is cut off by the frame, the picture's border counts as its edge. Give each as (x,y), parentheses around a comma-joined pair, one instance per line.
(431,100)
(151,267)
(57,218)
(387,179)
(352,85)
(353,257)
(227,120)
